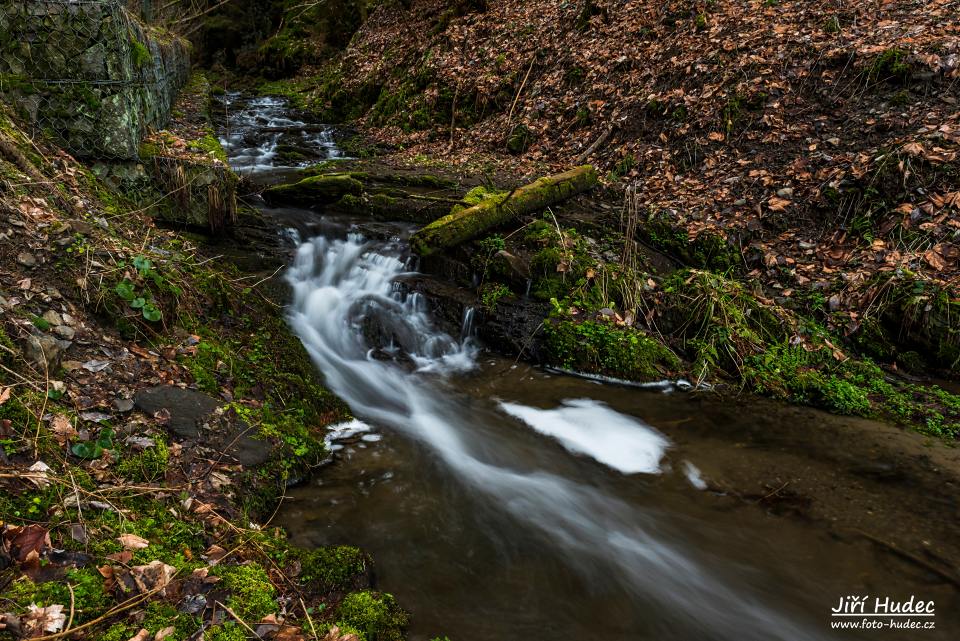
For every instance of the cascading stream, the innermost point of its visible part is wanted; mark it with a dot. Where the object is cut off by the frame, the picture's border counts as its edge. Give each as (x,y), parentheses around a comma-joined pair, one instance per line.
(342,288)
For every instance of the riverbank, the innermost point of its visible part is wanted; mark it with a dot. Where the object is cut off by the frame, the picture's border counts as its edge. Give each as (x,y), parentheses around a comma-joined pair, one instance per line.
(154,408)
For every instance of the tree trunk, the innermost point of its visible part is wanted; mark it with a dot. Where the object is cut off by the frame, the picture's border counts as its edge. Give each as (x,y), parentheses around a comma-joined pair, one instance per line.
(469,223)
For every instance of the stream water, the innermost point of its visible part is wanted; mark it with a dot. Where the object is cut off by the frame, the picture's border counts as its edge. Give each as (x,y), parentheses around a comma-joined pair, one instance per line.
(500,501)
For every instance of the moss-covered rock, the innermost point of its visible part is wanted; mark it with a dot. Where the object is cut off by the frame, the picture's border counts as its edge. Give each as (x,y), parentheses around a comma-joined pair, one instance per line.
(314,191)
(90,74)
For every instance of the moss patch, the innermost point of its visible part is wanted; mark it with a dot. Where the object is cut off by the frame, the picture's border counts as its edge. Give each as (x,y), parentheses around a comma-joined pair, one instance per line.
(374,614)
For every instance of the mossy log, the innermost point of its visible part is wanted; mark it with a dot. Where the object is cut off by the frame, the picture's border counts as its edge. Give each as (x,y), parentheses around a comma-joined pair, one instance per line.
(463,225)
(316,190)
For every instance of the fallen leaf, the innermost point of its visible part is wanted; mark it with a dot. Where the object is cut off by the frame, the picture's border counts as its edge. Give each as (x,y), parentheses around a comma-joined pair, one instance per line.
(62,428)
(164,633)
(39,477)
(142,635)
(132,542)
(5,394)
(334,635)
(156,575)
(95,366)
(48,619)
(935,260)
(778,204)
(23,540)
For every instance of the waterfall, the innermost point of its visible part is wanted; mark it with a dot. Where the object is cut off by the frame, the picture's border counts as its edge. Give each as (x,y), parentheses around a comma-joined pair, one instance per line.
(341,288)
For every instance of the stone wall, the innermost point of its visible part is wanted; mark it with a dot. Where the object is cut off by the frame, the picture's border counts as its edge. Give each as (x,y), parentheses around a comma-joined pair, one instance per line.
(89,73)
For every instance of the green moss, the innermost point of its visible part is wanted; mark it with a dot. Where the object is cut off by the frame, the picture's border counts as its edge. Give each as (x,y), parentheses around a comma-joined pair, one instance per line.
(147,466)
(599,347)
(706,251)
(209,145)
(330,568)
(141,54)
(478,195)
(157,616)
(89,597)
(229,631)
(252,595)
(853,387)
(315,190)
(376,615)
(891,65)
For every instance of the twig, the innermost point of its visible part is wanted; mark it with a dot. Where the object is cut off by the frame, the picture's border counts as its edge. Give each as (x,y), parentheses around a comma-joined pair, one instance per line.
(596,144)
(309,619)
(73,601)
(123,607)
(238,619)
(453,114)
(903,554)
(520,90)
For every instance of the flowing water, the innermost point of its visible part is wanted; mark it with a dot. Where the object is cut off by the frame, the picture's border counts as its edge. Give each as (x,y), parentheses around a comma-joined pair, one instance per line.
(504,502)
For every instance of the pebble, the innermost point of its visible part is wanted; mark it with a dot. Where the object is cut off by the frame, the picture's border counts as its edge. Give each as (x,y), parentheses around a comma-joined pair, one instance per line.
(123,404)
(65,331)
(27,260)
(786,192)
(740,202)
(52,317)
(833,141)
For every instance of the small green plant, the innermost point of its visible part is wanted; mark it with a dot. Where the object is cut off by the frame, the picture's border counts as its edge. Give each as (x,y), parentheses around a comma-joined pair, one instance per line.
(139,297)
(95,449)
(492,293)
(39,323)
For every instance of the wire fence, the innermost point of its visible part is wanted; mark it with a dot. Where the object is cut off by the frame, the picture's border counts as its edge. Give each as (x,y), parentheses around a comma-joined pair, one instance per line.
(89,73)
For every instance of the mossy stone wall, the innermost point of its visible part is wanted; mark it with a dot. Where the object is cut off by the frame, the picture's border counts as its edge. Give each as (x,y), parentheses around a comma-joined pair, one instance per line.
(89,73)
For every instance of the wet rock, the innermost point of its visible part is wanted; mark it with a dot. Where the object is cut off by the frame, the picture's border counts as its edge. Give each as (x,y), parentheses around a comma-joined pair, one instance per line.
(188,408)
(514,327)
(516,269)
(193,416)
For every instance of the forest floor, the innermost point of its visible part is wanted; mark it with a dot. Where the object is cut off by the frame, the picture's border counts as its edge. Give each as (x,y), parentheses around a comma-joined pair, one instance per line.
(154,406)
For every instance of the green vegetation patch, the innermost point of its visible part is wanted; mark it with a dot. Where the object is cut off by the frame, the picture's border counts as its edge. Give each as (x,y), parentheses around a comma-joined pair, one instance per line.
(252,595)
(600,347)
(374,614)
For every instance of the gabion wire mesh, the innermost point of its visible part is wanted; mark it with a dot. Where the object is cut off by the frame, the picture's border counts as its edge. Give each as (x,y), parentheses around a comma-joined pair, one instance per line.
(88,73)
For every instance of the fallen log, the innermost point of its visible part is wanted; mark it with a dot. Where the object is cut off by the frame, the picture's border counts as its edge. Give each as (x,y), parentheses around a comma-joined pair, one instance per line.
(465,224)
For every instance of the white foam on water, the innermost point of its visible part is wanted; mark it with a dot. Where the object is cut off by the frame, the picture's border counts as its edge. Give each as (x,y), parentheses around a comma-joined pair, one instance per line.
(585,426)
(692,472)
